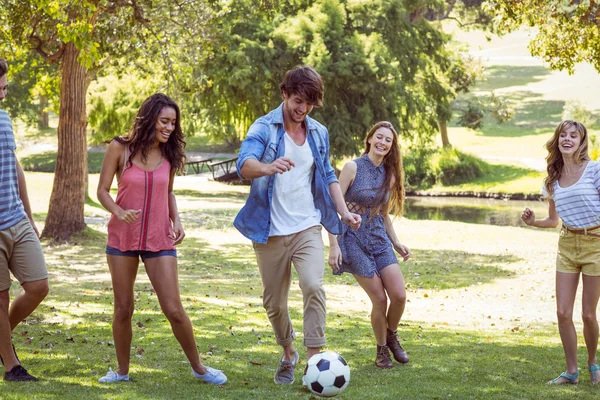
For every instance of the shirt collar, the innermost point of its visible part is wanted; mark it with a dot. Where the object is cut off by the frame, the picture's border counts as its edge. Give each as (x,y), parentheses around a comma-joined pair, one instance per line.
(278,118)
(379,168)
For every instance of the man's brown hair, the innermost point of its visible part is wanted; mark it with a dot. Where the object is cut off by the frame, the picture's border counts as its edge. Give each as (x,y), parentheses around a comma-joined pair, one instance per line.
(304,81)
(3,67)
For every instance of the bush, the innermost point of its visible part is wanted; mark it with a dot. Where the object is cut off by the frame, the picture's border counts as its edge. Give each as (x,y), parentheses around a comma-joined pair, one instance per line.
(417,168)
(577,111)
(452,167)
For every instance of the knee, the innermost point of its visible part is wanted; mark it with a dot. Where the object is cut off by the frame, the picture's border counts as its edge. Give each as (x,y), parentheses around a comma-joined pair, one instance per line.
(275,309)
(175,314)
(397,299)
(564,315)
(38,289)
(589,317)
(123,311)
(313,290)
(380,303)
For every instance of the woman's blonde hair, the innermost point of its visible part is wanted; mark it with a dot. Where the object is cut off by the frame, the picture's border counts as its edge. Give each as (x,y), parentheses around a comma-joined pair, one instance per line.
(554,158)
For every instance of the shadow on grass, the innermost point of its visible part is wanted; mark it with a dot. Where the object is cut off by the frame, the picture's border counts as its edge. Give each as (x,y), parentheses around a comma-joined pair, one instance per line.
(461,364)
(506,76)
(449,269)
(46,162)
(533,116)
(209,218)
(229,196)
(67,341)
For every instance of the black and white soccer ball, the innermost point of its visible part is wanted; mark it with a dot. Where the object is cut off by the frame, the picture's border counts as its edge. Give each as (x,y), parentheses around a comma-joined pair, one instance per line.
(326,374)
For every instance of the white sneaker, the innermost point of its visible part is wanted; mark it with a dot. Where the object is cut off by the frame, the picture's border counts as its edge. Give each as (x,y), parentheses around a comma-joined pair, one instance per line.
(214,376)
(112,376)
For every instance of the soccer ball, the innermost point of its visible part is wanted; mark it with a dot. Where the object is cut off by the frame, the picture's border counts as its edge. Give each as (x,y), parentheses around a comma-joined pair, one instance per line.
(326,374)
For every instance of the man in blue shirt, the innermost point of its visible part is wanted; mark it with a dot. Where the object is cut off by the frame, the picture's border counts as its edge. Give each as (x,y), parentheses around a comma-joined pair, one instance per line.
(20,249)
(294,191)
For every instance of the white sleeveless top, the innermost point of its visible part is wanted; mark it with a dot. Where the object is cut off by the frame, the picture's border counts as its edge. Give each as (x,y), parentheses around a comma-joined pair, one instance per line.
(579,204)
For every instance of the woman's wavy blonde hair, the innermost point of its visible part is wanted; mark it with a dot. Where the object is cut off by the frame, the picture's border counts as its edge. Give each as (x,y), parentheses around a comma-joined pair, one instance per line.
(554,158)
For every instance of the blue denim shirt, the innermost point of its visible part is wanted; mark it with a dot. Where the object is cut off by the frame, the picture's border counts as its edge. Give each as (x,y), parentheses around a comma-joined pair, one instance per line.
(264,143)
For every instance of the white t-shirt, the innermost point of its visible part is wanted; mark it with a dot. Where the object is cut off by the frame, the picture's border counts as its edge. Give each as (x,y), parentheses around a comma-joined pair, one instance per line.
(579,204)
(293,208)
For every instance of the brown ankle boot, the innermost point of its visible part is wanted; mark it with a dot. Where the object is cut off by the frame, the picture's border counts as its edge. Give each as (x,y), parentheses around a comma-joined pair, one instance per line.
(395,347)
(383,359)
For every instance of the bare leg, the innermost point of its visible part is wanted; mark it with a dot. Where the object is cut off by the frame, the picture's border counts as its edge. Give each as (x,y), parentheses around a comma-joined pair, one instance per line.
(591,294)
(375,290)
(393,283)
(27,301)
(123,271)
(6,350)
(162,272)
(566,289)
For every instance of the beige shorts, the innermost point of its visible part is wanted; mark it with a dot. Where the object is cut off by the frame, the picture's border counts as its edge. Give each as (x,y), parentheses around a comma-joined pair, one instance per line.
(579,252)
(21,253)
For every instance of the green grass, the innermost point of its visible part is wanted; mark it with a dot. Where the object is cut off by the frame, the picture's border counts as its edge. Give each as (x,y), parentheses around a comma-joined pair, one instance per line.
(46,162)
(499,178)
(67,341)
(202,143)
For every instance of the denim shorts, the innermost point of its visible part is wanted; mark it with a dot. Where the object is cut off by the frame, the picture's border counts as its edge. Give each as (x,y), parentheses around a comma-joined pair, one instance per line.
(140,253)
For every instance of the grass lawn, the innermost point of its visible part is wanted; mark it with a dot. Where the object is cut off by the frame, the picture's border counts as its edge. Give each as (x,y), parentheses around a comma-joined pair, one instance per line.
(499,178)
(537,93)
(473,326)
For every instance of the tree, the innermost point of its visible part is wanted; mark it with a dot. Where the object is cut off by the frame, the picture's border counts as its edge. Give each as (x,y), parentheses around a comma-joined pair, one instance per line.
(567,32)
(373,56)
(82,37)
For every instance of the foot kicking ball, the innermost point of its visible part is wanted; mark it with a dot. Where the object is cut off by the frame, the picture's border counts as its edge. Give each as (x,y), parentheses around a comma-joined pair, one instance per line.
(326,374)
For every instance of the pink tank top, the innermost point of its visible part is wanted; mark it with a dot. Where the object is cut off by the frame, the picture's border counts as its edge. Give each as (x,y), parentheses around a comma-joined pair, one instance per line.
(148,191)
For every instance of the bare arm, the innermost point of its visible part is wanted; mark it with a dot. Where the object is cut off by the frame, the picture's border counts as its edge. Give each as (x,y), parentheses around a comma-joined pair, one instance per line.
(551,221)
(391,232)
(338,191)
(24,197)
(113,162)
(178,233)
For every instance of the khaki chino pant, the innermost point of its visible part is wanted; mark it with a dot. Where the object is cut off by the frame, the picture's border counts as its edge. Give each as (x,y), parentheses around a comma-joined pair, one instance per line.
(305,250)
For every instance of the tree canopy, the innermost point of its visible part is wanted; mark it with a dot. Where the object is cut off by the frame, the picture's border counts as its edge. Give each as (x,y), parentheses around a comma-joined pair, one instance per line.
(567,32)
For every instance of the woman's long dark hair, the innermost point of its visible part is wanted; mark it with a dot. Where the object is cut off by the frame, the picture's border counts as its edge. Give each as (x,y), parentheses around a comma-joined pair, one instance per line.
(392,163)
(143,132)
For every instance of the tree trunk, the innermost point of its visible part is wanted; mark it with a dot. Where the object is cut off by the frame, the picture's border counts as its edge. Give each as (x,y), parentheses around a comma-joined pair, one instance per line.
(65,214)
(444,132)
(43,119)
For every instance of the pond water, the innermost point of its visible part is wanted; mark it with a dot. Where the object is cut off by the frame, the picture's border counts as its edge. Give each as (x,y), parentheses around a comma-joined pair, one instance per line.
(472,210)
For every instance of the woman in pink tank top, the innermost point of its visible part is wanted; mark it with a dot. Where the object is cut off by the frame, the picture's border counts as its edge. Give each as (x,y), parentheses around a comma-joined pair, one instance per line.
(145,223)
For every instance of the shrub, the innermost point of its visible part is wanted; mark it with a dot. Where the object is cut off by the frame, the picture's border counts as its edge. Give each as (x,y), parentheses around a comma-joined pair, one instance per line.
(577,111)
(452,167)
(417,168)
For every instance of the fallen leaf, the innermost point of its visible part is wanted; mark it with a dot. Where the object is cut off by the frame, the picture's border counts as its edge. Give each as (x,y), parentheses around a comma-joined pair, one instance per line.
(255,363)
(139,351)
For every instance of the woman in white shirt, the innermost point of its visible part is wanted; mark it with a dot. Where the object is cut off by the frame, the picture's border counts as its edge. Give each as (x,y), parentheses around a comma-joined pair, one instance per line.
(572,189)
